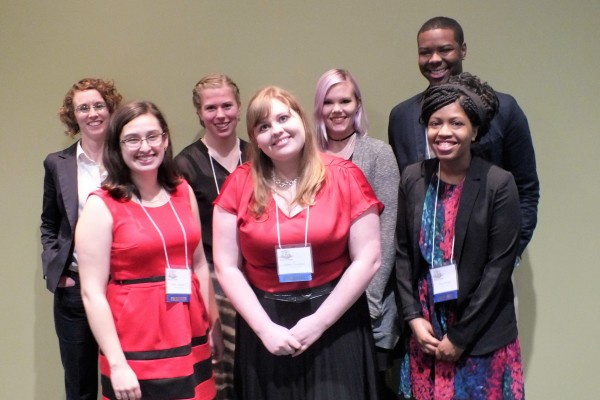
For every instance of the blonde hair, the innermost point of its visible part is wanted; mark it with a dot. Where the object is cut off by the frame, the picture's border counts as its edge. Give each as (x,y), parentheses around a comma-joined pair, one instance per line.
(213,81)
(312,170)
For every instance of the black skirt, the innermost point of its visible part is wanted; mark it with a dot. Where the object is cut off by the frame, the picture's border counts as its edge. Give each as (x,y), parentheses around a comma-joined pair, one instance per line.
(340,365)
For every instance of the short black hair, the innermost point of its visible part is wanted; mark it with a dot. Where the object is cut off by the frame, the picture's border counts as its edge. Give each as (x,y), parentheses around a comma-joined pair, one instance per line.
(444,23)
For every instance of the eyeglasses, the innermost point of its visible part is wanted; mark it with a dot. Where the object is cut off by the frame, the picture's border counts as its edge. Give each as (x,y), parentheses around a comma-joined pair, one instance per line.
(85,108)
(135,142)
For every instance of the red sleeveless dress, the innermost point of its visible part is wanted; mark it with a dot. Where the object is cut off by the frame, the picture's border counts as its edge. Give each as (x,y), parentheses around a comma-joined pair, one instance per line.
(166,344)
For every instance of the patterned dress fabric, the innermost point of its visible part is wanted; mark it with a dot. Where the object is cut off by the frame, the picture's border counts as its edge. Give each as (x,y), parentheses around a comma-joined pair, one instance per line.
(497,375)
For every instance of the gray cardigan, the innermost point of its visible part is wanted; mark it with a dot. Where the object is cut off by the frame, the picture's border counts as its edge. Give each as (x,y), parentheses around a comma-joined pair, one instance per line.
(376,160)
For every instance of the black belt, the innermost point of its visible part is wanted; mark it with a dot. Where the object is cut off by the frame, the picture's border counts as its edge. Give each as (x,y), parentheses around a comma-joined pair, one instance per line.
(140,280)
(298,296)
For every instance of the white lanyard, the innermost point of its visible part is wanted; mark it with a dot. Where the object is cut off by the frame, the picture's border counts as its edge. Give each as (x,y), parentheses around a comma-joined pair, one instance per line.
(277,220)
(212,166)
(437,189)
(161,235)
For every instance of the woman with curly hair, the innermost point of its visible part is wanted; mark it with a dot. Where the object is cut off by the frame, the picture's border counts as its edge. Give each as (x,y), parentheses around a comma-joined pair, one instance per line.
(70,175)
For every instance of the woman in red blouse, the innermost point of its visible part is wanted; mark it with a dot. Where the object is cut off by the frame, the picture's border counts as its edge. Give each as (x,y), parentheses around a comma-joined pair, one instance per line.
(296,242)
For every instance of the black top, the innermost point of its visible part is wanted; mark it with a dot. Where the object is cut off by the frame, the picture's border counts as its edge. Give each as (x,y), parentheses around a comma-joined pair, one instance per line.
(193,163)
(485,247)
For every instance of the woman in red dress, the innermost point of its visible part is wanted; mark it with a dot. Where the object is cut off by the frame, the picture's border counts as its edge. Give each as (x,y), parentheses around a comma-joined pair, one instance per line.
(296,242)
(144,277)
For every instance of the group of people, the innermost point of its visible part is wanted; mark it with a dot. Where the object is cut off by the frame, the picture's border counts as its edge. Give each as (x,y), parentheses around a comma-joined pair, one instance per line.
(299,264)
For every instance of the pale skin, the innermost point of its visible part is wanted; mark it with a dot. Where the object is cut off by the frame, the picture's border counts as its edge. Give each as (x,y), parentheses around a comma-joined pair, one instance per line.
(220,111)
(92,138)
(281,137)
(339,109)
(93,238)
(364,252)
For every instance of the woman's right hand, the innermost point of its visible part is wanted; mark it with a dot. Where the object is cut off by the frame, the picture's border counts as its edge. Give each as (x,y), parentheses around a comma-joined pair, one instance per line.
(423,332)
(279,340)
(125,383)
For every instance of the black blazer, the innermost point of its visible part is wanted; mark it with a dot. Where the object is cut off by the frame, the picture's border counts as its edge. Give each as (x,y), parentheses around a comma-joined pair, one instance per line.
(60,211)
(486,243)
(508,145)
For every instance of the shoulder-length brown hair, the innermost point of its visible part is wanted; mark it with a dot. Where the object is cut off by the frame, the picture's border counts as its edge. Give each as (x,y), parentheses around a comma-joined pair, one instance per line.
(118,182)
(312,170)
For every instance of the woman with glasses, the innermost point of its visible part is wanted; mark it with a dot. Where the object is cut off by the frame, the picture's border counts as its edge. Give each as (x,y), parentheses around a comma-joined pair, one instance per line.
(145,280)
(70,175)
(296,241)
(205,164)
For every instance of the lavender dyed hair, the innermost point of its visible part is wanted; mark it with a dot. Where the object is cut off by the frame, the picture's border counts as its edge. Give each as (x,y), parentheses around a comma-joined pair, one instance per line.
(326,82)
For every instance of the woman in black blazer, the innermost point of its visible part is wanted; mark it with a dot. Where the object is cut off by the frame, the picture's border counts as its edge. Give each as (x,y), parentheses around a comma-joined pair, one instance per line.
(69,176)
(458,236)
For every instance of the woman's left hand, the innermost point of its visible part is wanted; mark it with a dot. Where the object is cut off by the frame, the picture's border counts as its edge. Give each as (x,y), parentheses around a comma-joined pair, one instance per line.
(447,351)
(307,331)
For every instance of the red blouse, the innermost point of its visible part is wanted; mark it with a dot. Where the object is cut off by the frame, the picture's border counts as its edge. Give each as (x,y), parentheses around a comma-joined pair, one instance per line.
(344,196)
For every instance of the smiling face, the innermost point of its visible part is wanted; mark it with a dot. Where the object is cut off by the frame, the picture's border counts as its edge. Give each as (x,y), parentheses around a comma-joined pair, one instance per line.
(450,134)
(146,157)
(281,134)
(339,110)
(91,117)
(440,56)
(219,111)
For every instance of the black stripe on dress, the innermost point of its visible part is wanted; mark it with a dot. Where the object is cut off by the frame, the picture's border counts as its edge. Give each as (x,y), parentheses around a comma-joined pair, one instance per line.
(170,388)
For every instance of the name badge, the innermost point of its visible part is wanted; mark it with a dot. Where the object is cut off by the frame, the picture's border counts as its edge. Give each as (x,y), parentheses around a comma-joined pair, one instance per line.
(294,263)
(445,283)
(179,285)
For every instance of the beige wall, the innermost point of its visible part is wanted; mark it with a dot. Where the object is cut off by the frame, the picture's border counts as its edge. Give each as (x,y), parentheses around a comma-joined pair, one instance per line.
(545,53)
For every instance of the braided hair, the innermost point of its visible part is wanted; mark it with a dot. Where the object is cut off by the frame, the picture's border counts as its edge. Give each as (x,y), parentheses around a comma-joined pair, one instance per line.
(477,99)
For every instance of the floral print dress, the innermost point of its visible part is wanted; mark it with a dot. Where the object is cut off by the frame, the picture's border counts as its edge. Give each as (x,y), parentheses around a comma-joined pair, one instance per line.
(498,375)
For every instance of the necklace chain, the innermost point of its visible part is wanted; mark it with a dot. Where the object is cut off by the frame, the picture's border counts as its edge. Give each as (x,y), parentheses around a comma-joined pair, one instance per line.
(282,183)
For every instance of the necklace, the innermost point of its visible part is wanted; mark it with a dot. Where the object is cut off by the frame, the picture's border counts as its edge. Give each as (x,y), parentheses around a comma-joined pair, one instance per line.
(342,139)
(283,184)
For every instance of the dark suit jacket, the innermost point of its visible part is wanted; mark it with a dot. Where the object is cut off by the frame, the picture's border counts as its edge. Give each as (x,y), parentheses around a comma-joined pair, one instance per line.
(486,242)
(508,144)
(59,213)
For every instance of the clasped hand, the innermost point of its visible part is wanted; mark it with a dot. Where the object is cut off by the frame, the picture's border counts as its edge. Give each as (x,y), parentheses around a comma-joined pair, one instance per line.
(443,350)
(294,341)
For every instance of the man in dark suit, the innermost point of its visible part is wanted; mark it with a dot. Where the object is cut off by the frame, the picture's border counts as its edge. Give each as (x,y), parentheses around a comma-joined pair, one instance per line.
(70,175)
(508,144)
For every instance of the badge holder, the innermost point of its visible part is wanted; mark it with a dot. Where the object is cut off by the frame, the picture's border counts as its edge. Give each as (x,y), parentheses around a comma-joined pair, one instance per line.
(445,283)
(294,263)
(179,285)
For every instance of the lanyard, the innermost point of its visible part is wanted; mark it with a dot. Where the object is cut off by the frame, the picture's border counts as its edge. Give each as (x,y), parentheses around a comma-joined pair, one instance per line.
(277,220)
(437,189)
(212,166)
(161,235)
